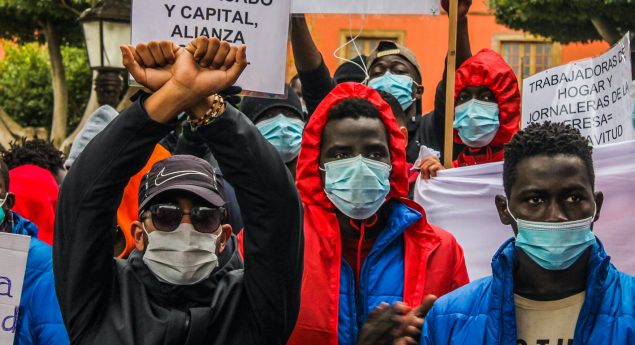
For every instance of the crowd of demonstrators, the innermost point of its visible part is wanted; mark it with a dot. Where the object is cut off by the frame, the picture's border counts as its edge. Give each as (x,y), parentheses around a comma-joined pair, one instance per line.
(481,128)
(392,68)
(365,243)
(36,169)
(200,217)
(39,319)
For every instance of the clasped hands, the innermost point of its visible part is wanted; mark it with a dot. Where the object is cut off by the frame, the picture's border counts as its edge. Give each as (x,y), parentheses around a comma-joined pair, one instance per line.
(396,324)
(183,78)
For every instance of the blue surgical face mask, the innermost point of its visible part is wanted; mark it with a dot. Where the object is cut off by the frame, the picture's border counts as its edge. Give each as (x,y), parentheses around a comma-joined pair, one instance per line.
(397,85)
(477,122)
(554,246)
(357,186)
(284,133)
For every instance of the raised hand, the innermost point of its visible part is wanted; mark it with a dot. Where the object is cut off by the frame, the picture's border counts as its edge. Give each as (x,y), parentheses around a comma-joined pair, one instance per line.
(212,53)
(151,63)
(156,63)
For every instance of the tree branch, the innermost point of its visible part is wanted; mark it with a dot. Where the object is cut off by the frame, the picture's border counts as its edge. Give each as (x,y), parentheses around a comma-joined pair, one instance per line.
(606,30)
(70,8)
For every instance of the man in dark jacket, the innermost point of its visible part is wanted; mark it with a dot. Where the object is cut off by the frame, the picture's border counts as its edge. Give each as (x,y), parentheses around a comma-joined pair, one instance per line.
(553,282)
(184,283)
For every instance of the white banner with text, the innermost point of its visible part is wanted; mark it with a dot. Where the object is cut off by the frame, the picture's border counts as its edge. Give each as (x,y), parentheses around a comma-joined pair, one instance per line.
(592,95)
(262,25)
(14,250)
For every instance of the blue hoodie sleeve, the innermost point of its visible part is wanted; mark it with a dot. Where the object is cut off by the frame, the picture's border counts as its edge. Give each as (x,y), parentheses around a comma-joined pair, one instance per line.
(428,328)
(41,320)
(47,325)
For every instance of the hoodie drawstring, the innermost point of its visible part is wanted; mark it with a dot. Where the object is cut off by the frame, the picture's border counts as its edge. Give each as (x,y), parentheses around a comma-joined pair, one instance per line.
(370,222)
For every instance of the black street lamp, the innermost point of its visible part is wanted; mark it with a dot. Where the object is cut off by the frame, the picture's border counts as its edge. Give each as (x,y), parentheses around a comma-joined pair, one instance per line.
(106,26)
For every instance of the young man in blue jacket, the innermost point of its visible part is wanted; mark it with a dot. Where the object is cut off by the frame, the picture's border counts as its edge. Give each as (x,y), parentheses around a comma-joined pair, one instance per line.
(553,283)
(39,319)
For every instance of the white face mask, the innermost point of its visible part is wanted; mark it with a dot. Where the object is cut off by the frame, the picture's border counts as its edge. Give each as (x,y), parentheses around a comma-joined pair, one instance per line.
(181,257)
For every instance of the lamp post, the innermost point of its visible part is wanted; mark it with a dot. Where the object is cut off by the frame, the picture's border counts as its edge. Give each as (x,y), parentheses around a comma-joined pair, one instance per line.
(106,26)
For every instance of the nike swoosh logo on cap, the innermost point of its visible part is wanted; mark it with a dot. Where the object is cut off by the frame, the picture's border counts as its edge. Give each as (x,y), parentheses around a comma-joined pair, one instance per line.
(176,174)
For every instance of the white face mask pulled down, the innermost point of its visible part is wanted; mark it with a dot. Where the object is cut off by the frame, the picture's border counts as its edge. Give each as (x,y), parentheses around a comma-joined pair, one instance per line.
(181,257)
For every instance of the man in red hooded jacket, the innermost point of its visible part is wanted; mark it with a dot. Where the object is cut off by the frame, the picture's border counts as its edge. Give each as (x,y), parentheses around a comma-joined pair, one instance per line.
(487,112)
(366,244)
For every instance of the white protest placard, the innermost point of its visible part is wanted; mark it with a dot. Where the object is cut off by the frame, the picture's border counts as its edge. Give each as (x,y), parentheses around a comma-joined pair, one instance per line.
(592,95)
(461,201)
(14,250)
(366,6)
(262,25)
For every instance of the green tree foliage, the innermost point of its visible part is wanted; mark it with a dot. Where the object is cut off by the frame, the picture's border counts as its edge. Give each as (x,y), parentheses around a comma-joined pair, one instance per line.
(568,21)
(25,84)
(54,22)
(25,20)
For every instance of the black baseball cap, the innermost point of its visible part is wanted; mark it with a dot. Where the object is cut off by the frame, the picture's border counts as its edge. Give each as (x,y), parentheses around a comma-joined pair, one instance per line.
(182,173)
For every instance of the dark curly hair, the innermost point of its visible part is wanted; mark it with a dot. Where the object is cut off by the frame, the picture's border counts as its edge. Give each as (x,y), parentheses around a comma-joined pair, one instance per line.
(354,108)
(35,151)
(546,139)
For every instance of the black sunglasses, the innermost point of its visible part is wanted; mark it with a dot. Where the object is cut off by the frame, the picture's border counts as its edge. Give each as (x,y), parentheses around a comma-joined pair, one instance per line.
(169,217)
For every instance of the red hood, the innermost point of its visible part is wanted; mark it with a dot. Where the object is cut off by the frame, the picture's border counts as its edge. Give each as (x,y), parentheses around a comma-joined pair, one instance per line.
(487,68)
(318,320)
(309,181)
(35,192)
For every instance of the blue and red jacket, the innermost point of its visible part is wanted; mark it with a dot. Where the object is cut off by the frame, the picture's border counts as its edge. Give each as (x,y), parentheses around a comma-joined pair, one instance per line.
(409,259)
(483,312)
(40,319)
(488,68)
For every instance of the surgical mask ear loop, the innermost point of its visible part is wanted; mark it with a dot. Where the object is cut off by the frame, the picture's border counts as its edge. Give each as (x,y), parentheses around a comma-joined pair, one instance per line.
(363,66)
(510,212)
(143,227)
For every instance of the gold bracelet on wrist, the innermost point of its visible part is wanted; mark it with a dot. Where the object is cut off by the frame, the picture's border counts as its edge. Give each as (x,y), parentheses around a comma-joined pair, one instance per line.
(216,109)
